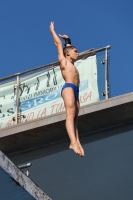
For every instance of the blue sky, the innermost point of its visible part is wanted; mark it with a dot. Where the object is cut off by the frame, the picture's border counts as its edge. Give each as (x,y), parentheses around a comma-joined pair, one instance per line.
(25,40)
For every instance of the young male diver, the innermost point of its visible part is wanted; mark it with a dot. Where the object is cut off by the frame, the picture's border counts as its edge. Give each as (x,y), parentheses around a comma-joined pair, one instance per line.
(70,91)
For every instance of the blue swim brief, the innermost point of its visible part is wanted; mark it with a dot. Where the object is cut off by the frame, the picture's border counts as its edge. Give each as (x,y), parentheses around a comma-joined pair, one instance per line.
(74,87)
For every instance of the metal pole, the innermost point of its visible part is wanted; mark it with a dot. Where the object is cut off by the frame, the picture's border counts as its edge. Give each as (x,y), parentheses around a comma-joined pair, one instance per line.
(106,73)
(17,101)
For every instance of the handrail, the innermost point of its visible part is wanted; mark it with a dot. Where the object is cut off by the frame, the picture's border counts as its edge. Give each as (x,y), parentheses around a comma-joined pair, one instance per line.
(54,64)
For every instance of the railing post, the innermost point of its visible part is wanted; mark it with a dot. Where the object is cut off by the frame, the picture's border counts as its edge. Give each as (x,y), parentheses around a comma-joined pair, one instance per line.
(106,73)
(17,100)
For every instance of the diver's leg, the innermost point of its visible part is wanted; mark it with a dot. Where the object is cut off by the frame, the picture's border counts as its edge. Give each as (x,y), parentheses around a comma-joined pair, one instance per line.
(69,101)
(76,124)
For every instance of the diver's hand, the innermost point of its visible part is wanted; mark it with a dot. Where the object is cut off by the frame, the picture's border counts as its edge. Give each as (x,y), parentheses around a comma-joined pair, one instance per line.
(63,36)
(52,26)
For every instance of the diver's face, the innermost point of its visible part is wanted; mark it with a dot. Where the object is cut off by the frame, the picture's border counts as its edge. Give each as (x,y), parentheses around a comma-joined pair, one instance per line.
(74,54)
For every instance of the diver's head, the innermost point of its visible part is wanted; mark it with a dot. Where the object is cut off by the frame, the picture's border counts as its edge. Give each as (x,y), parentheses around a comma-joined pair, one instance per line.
(71,51)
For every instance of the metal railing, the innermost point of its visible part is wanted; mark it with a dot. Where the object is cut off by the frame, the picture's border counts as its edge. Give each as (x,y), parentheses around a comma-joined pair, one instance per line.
(53,65)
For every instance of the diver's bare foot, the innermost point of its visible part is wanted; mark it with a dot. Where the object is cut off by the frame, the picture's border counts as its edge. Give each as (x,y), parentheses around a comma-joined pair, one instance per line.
(81,148)
(75,147)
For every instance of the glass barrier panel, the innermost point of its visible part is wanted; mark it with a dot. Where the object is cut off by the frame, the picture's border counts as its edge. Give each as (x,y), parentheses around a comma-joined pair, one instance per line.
(101,75)
(40,93)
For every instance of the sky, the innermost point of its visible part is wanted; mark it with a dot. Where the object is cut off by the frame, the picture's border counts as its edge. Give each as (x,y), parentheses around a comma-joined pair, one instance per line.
(26,42)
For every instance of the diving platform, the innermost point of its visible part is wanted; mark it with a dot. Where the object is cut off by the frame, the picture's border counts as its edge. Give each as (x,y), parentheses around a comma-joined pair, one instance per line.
(46,130)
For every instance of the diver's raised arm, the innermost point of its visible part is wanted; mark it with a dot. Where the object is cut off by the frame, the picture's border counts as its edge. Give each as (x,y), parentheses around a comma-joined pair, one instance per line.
(57,42)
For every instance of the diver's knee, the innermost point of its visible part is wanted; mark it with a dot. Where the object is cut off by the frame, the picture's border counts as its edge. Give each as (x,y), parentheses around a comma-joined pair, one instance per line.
(71,114)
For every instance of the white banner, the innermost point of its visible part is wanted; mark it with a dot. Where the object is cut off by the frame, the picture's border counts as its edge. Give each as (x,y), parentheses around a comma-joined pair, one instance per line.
(40,93)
